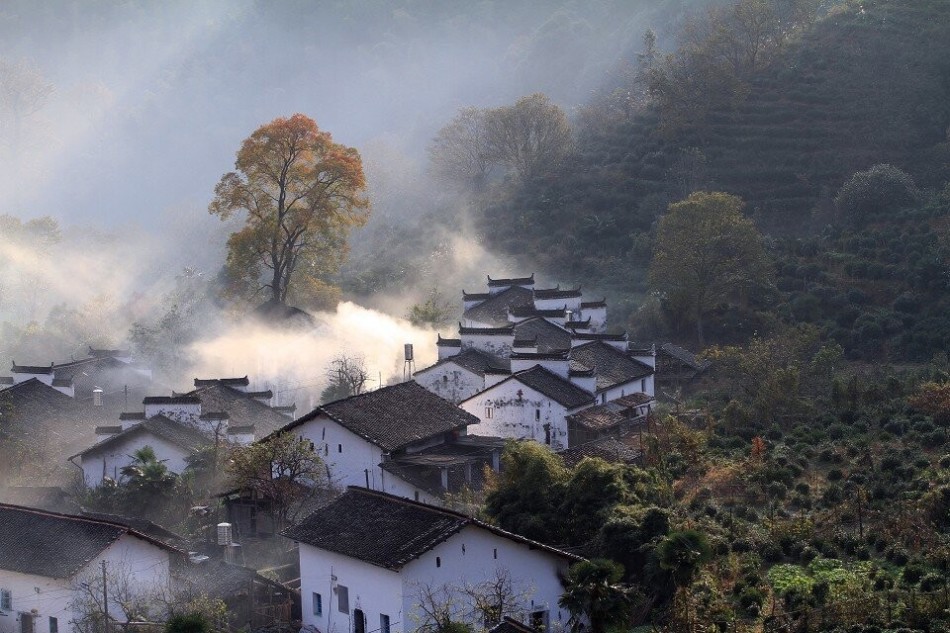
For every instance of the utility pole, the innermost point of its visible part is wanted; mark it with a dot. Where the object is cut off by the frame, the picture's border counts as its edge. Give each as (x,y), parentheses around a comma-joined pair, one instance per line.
(105,598)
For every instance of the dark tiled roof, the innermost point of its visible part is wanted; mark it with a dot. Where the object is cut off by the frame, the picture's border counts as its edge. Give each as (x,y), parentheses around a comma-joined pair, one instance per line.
(557,293)
(240,430)
(448,342)
(475,296)
(495,309)
(31,369)
(231,382)
(684,356)
(523,312)
(181,435)
(6,380)
(221,580)
(553,386)
(393,417)
(505,330)
(608,449)
(594,304)
(388,531)
(260,394)
(578,325)
(597,418)
(108,430)
(55,545)
(514,281)
(35,411)
(133,415)
(550,337)
(289,408)
(62,382)
(555,355)
(144,526)
(171,400)
(580,369)
(476,361)
(634,399)
(590,336)
(242,409)
(613,367)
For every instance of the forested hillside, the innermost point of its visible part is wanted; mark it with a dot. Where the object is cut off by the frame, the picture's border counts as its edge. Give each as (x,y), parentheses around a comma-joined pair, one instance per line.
(861,85)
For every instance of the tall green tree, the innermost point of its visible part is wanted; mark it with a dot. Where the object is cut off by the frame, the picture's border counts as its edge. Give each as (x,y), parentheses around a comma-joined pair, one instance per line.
(593,590)
(301,194)
(707,253)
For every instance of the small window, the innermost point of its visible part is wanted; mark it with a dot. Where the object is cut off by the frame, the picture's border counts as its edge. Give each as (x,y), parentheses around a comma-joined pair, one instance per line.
(359,621)
(495,553)
(603,398)
(343,599)
(643,385)
(463,549)
(415,494)
(53,625)
(339,448)
(537,414)
(317,604)
(438,561)
(445,379)
(488,413)
(323,433)
(383,623)
(6,600)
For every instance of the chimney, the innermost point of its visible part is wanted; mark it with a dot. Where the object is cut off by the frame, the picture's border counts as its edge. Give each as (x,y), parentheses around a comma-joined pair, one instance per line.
(97,397)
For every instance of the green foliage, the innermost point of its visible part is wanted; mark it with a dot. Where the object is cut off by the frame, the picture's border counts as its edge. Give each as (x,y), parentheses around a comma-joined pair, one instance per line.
(187,623)
(706,254)
(869,194)
(682,554)
(593,590)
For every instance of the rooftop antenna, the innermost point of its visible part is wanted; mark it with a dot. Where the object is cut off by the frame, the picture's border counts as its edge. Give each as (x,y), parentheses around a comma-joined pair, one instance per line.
(409,366)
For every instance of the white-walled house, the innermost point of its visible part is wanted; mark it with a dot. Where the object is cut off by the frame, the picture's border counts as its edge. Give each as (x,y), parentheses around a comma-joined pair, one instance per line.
(457,378)
(401,439)
(368,558)
(530,404)
(173,442)
(45,558)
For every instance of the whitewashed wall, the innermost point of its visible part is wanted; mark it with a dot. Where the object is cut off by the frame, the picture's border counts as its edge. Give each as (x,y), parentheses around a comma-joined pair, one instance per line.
(372,589)
(450,381)
(146,565)
(518,417)
(474,556)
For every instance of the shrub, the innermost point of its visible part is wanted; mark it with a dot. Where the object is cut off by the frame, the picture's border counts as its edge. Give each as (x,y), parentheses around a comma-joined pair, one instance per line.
(881,189)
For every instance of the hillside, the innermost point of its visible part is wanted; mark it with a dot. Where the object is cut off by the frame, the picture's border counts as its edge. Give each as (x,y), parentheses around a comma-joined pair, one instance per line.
(864,85)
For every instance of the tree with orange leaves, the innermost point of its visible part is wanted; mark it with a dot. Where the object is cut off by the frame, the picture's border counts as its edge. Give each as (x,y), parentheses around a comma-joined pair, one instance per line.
(301,194)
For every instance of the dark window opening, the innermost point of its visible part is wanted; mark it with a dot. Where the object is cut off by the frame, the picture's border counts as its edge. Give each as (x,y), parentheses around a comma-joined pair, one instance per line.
(343,599)
(359,621)
(339,448)
(438,561)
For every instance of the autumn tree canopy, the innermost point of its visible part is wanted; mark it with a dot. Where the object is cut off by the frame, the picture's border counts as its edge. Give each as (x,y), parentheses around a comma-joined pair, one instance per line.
(301,194)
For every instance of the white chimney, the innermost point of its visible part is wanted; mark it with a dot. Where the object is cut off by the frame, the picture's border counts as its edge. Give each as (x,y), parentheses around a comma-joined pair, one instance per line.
(97,397)
(224,533)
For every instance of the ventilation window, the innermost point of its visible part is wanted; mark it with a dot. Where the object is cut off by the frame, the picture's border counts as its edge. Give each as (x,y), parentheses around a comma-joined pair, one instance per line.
(339,448)
(488,413)
(537,414)
(495,553)
(317,604)
(438,561)
(323,433)
(463,549)
(445,379)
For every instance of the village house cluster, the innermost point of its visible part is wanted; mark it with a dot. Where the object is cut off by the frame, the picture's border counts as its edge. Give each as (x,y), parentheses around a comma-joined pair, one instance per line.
(528,364)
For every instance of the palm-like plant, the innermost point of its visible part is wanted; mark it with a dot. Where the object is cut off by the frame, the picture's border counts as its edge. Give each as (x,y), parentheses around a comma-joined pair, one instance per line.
(593,591)
(147,479)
